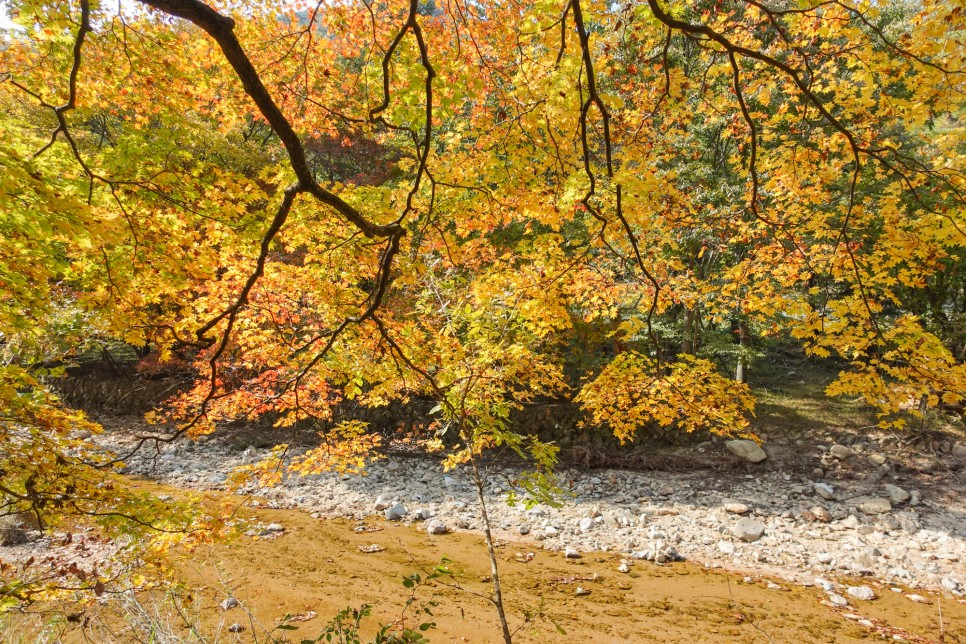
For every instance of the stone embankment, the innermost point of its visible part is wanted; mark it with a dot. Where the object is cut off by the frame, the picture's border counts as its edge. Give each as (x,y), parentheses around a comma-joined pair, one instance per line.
(832,511)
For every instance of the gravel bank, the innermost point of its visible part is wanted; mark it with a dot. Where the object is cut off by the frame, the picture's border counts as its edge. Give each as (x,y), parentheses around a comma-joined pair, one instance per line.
(832,511)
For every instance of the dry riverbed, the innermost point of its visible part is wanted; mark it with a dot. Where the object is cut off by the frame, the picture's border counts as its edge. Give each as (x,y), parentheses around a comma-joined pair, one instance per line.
(820,542)
(312,568)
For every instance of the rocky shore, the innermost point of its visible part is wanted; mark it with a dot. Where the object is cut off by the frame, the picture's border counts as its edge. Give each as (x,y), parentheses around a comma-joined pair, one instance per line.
(869,518)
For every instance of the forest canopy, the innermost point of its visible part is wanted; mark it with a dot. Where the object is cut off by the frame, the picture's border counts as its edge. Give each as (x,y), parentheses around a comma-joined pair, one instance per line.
(480,203)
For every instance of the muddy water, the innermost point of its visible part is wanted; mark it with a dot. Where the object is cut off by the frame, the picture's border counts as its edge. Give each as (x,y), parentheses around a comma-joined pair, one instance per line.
(316,567)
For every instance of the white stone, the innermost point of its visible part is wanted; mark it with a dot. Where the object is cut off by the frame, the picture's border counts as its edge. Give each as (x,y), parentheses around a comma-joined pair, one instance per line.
(436,527)
(825,491)
(840,452)
(396,512)
(861,592)
(736,508)
(876,506)
(896,494)
(838,600)
(747,449)
(748,530)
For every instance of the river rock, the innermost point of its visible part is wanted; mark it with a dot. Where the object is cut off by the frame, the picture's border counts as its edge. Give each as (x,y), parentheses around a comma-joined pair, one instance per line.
(571,553)
(838,600)
(747,449)
(876,506)
(396,512)
(586,524)
(896,494)
(825,491)
(736,508)
(726,547)
(877,459)
(820,513)
(748,530)
(436,527)
(229,603)
(861,592)
(841,452)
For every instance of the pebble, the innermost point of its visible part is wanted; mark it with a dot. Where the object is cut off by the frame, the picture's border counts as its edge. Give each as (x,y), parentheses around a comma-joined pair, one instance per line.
(838,600)
(896,494)
(919,599)
(841,452)
(748,530)
(581,592)
(821,514)
(229,603)
(726,547)
(736,508)
(586,524)
(571,553)
(861,592)
(876,506)
(396,512)
(436,527)
(825,491)
(236,628)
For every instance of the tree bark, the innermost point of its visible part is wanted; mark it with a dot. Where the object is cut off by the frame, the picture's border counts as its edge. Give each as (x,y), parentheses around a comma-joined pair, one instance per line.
(494,571)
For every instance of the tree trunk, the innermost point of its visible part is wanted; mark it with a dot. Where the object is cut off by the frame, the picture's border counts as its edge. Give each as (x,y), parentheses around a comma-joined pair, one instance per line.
(741,371)
(687,344)
(494,571)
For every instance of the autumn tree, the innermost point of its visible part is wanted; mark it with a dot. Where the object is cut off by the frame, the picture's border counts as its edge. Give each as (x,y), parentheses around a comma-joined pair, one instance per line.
(383,200)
